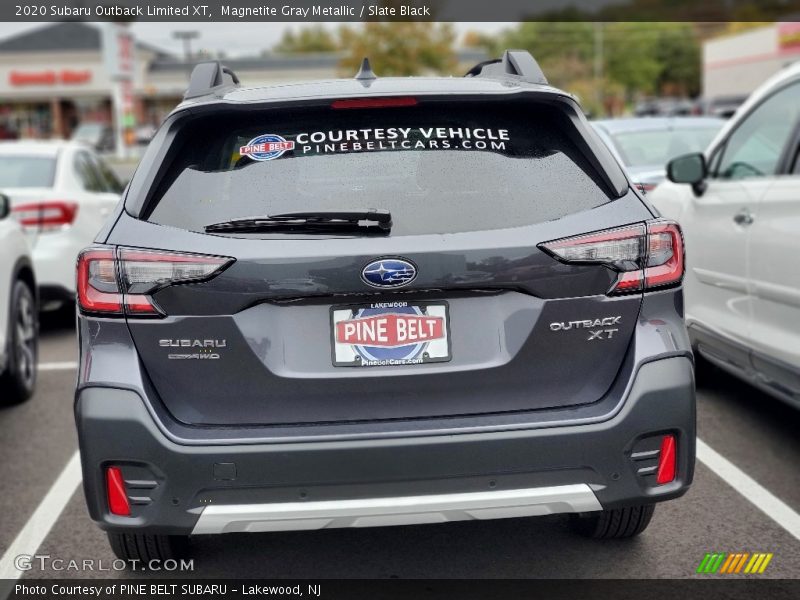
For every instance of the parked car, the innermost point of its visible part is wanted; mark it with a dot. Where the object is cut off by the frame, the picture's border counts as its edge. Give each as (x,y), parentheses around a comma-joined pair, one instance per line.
(61,193)
(645,145)
(741,216)
(724,106)
(98,136)
(663,107)
(473,257)
(19,322)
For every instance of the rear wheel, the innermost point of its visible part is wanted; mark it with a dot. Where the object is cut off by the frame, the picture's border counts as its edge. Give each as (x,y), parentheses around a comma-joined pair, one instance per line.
(19,380)
(614,524)
(145,548)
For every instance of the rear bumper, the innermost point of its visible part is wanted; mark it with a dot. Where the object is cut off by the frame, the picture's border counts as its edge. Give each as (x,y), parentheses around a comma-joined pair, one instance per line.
(214,488)
(402,510)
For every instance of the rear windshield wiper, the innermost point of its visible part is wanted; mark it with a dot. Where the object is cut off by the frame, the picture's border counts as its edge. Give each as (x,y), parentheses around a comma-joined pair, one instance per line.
(369,222)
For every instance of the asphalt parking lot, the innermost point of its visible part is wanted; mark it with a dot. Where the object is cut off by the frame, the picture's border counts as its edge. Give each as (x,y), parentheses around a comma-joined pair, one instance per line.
(743,426)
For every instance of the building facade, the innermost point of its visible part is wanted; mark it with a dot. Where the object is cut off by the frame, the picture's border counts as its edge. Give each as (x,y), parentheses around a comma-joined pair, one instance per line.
(54,78)
(737,64)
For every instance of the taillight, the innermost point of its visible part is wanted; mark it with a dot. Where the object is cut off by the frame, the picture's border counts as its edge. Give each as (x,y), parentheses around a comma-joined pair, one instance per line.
(646,255)
(664,254)
(646,187)
(98,291)
(112,283)
(51,215)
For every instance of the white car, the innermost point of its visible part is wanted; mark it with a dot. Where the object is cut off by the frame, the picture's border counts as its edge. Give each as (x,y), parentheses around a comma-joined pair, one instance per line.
(61,193)
(740,215)
(644,145)
(19,325)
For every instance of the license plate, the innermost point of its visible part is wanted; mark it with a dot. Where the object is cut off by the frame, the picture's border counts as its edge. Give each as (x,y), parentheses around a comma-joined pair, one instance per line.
(384,334)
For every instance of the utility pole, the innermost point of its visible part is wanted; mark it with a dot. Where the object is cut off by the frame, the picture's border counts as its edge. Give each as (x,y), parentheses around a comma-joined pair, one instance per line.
(186,37)
(599,61)
(119,56)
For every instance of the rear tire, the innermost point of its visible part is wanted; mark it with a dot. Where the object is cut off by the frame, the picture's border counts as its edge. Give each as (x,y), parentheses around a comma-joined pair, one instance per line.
(145,548)
(706,373)
(613,524)
(18,382)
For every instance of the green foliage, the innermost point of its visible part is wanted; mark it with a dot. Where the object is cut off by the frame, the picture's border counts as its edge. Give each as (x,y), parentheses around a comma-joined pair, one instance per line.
(399,49)
(307,40)
(606,59)
(606,64)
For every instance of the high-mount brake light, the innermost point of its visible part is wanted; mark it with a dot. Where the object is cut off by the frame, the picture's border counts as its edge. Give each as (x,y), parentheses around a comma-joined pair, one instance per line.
(646,255)
(374,102)
(46,216)
(111,285)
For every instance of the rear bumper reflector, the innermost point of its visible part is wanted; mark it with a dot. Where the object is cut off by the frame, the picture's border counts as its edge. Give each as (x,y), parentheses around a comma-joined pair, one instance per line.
(666,460)
(403,510)
(118,502)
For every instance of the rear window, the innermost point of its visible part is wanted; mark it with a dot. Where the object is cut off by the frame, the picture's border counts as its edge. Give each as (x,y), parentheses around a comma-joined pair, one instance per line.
(436,168)
(658,147)
(26,171)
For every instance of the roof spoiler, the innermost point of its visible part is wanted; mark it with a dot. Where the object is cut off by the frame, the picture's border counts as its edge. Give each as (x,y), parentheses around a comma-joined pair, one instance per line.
(515,64)
(209,78)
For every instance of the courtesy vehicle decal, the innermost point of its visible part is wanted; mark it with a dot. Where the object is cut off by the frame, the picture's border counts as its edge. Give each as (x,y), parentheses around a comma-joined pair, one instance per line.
(271,146)
(402,138)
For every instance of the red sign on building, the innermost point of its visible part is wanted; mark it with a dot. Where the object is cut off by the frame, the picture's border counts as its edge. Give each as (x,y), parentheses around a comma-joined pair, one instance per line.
(64,77)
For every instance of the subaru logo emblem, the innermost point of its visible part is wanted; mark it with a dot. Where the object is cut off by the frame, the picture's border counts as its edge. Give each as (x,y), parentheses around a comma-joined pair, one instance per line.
(389,273)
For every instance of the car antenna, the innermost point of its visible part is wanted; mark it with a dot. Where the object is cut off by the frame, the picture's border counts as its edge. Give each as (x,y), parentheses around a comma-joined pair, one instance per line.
(365,73)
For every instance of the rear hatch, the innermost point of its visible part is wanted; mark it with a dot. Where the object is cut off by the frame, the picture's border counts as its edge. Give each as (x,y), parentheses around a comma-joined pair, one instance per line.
(455,311)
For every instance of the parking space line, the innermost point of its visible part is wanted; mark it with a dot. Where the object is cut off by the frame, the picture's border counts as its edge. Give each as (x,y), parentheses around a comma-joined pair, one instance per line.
(772,506)
(43,518)
(58,366)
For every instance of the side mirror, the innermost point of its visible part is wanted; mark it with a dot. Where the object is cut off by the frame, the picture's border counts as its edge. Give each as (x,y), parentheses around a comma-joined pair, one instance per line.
(691,169)
(5,206)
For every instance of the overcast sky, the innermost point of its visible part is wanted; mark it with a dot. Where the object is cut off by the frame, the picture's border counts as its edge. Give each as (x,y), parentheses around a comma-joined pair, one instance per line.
(235,39)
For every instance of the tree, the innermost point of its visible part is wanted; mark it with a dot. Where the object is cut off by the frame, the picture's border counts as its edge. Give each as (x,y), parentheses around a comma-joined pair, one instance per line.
(564,50)
(630,57)
(308,39)
(678,51)
(635,58)
(399,49)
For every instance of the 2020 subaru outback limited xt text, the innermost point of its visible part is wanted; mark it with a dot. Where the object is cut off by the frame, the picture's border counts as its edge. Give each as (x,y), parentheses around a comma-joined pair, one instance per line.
(380,301)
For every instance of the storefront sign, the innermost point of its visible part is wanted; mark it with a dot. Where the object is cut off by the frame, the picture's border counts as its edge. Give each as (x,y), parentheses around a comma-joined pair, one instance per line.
(118,51)
(63,77)
(789,36)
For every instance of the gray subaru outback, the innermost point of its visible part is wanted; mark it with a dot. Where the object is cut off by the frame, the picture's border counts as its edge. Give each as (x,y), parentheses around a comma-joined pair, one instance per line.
(380,301)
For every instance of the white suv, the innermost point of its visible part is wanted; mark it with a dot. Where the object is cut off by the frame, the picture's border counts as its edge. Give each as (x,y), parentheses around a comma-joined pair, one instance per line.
(19,326)
(741,220)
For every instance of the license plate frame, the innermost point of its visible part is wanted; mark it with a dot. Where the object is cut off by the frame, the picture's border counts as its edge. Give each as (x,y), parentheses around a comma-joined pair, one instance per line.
(435,350)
